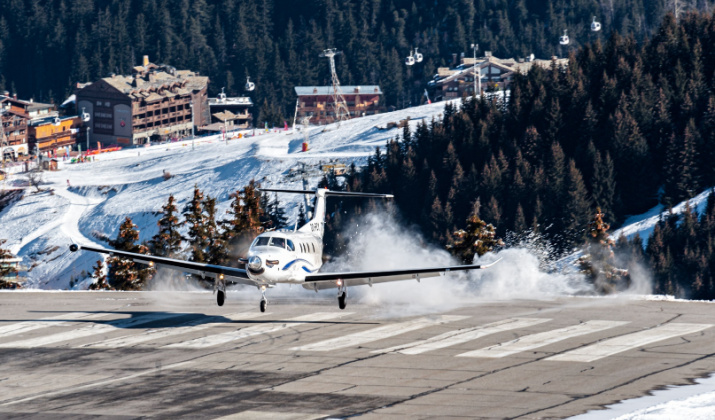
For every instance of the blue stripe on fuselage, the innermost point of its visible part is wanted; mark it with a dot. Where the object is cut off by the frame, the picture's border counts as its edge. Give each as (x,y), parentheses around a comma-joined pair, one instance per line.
(287,266)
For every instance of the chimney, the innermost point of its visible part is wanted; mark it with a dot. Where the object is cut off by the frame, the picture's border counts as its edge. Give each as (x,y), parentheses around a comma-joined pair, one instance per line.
(14,96)
(145,61)
(357,89)
(454,59)
(487,53)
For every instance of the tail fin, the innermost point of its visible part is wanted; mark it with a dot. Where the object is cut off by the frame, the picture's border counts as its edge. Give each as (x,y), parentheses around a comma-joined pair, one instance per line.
(315,225)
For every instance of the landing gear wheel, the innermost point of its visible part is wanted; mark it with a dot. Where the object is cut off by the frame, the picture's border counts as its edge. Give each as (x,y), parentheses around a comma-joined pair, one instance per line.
(341,300)
(220,297)
(264,303)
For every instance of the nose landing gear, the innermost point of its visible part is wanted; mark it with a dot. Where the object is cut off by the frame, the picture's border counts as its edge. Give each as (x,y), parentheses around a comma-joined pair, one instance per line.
(264,301)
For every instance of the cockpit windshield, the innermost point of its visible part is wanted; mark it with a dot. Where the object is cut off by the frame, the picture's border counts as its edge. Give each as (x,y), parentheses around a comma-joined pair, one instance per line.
(261,241)
(278,242)
(275,241)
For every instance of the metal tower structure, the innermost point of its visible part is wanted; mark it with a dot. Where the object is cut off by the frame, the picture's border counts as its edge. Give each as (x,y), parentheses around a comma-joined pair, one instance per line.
(340,106)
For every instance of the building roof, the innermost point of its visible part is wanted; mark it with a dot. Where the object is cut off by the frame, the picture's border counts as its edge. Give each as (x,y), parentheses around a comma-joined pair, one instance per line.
(162,81)
(508,65)
(29,105)
(328,90)
(225,116)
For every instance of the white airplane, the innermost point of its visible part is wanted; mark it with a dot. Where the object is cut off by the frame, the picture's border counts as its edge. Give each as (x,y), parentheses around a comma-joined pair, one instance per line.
(288,256)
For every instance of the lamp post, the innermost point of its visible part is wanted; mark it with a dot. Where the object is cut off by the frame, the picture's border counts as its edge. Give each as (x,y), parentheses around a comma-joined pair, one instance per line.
(86,118)
(477,72)
(191,105)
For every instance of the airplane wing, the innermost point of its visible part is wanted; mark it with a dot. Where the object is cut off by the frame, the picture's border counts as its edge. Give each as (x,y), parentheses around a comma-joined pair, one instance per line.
(321,281)
(207,271)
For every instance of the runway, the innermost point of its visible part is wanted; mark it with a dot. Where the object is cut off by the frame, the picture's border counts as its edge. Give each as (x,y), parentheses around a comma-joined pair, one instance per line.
(116,355)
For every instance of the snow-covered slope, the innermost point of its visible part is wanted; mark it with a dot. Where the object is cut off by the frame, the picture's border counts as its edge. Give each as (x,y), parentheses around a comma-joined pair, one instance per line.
(643,224)
(131,183)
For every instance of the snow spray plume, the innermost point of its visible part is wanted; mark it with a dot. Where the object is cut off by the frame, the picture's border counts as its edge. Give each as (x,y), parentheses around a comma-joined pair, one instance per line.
(173,286)
(381,243)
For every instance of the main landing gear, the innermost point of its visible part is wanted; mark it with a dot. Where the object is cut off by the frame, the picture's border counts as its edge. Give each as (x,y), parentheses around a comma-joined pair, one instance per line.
(264,301)
(342,294)
(220,288)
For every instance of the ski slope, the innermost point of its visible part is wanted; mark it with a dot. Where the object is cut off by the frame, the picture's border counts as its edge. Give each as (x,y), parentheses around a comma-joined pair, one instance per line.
(131,183)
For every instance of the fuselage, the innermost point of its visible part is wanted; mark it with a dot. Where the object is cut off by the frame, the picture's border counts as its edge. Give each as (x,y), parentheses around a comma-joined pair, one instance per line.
(284,256)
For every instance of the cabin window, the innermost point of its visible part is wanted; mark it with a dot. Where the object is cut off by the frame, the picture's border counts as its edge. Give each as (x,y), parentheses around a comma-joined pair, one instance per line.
(290,245)
(262,241)
(278,242)
(313,245)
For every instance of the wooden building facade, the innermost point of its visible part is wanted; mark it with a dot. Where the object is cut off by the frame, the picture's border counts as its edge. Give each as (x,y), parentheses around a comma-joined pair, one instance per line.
(16,116)
(155,102)
(317,102)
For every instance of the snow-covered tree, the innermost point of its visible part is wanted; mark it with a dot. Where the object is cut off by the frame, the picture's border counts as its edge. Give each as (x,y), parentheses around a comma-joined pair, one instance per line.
(598,259)
(478,237)
(5,269)
(100,279)
(125,274)
(197,237)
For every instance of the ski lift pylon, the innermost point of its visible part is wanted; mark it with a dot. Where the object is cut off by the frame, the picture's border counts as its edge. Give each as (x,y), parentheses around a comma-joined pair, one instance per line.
(564,39)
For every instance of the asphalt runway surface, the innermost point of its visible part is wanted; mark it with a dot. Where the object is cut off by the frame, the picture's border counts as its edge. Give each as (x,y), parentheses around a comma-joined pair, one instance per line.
(112,355)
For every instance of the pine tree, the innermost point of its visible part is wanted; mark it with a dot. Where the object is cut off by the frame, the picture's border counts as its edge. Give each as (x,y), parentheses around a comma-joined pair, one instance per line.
(681,180)
(244,222)
(100,279)
(604,185)
(217,249)
(5,269)
(124,274)
(197,236)
(478,237)
(167,242)
(577,205)
(598,259)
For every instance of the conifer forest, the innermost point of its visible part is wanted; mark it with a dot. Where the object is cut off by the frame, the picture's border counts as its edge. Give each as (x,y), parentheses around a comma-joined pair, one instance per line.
(629,123)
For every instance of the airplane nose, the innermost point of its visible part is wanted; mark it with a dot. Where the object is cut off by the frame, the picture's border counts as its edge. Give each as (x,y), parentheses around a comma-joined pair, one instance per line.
(254,263)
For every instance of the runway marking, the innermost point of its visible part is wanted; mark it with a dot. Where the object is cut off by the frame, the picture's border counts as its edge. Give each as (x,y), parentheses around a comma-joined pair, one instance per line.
(187,327)
(96,385)
(378,333)
(270,415)
(88,330)
(452,338)
(66,319)
(627,342)
(216,339)
(542,339)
